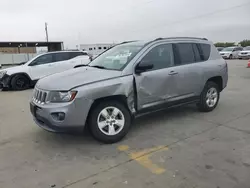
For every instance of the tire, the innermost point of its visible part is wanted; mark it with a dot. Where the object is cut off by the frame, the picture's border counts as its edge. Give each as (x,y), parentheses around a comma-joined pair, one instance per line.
(231,56)
(203,104)
(107,133)
(19,82)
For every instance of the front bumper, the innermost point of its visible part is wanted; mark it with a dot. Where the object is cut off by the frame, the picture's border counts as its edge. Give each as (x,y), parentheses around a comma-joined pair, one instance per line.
(5,81)
(225,56)
(244,56)
(76,113)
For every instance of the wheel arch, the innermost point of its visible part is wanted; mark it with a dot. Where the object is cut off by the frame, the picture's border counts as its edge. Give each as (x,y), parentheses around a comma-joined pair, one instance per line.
(120,98)
(19,73)
(218,80)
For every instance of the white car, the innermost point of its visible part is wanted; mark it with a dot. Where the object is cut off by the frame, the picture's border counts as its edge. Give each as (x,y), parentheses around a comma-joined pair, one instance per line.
(26,75)
(230,52)
(245,54)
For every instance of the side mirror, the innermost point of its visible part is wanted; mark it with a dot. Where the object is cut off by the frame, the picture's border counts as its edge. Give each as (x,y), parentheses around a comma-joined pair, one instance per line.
(143,66)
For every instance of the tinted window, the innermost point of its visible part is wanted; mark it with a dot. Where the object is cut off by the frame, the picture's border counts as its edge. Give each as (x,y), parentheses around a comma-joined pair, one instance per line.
(160,56)
(75,54)
(204,51)
(44,59)
(196,53)
(63,56)
(185,52)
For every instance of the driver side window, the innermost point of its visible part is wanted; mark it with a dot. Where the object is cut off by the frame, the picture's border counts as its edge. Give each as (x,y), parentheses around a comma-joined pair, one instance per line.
(44,59)
(160,56)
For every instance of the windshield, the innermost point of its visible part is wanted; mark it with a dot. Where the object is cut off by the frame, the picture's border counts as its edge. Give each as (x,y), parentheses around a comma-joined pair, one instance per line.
(117,57)
(247,48)
(229,49)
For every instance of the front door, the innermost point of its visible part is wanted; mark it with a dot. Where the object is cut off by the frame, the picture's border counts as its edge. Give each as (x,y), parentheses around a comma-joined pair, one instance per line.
(41,66)
(158,84)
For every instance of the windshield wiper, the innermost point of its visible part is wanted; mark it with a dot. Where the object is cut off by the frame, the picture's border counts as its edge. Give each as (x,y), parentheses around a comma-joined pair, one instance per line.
(98,66)
(81,65)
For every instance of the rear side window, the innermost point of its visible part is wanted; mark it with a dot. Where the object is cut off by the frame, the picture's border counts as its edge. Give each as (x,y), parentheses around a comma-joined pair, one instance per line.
(185,53)
(205,50)
(75,54)
(197,54)
(63,56)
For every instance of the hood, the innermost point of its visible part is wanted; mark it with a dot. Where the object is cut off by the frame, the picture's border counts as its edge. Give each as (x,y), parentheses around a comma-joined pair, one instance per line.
(67,80)
(245,51)
(16,69)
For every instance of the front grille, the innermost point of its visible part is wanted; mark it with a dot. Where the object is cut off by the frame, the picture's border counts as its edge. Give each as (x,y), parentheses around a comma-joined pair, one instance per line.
(39,96)
(244,53)
(221,54)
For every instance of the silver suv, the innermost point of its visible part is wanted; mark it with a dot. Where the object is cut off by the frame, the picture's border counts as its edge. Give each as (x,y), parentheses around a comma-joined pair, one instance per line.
(127,80)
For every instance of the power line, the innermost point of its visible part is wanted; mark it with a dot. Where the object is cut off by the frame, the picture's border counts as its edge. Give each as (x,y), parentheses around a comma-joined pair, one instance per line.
(196,17)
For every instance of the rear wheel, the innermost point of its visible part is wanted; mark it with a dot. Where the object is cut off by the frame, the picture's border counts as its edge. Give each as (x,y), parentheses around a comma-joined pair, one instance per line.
(231,56)
(209,97)
(109,121)
(19,82)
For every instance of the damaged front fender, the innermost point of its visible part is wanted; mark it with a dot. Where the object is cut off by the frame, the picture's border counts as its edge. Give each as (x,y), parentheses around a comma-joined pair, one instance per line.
(121,86)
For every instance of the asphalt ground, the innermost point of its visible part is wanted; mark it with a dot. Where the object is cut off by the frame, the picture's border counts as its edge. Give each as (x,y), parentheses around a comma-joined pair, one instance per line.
(176,148)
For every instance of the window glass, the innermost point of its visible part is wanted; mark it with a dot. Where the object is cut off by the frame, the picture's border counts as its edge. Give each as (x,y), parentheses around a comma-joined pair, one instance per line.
(186,53)
(117,57)
(63,56)
(205,50)
(160,56)
(196,53)
(44,59)
(75,54)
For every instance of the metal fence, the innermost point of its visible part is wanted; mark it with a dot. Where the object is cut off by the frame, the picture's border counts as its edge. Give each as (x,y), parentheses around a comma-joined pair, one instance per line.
(12,59)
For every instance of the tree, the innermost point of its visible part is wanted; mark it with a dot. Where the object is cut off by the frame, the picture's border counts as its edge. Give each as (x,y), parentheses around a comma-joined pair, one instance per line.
(224,44)
(244,43)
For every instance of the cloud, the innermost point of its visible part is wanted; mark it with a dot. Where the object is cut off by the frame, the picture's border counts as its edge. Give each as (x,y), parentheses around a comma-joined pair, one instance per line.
(84,21)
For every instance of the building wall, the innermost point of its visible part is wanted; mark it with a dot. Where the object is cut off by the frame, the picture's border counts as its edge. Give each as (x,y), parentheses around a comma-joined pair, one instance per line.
(95,49)
(13,50)
(8,59)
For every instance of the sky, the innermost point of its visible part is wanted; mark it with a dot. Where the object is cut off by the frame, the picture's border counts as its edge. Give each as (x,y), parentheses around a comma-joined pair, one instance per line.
(106,21)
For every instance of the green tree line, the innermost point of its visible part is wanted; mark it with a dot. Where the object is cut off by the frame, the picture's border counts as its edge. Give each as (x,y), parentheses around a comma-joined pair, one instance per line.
(243,43)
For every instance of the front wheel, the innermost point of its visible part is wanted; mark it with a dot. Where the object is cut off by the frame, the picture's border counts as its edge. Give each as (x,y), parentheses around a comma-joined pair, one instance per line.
(109,121)
(209,97)
(19,82)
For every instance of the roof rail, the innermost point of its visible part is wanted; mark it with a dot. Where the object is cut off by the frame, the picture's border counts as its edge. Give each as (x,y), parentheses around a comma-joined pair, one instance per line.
(181,38)
(128,41)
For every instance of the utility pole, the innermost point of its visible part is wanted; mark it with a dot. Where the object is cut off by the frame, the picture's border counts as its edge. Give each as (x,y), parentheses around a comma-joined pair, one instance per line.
(46,31)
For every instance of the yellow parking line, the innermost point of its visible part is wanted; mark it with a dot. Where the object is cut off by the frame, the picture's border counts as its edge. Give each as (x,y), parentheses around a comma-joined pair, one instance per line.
(143,157)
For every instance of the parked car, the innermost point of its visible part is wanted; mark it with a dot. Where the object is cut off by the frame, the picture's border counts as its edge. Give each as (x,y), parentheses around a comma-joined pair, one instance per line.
(26,75)
(220,48)
(245,53)
(128,80)
(231,52)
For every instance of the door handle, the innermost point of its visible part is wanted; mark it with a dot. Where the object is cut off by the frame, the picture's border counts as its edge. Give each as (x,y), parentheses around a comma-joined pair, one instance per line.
(172,73)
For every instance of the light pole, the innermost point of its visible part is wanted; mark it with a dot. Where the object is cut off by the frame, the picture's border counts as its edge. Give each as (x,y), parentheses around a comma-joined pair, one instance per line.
(46,31)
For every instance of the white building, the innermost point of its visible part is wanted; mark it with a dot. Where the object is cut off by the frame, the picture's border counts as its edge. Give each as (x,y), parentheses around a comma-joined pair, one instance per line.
(95,49)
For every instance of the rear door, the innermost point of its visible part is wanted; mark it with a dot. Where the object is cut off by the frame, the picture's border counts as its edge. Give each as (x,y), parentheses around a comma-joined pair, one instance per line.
(189,77)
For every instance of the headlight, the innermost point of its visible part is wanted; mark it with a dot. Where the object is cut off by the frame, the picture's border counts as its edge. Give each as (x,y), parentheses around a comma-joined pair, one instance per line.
(2,73)
(63,96)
